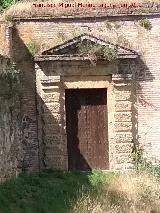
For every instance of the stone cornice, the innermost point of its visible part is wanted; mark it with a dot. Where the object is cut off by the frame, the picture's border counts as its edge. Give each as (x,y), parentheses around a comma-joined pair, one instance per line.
(124,16)
(74,57)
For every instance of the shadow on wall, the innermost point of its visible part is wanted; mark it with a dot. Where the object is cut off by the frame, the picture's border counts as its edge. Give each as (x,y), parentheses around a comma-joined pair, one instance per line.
(140,73)
(10,132)
(28,115)
(53,141)
(50,151)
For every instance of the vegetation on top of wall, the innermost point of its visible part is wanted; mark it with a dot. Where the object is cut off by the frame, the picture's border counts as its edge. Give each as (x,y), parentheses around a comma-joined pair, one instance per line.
(96,51)
(61,36)
(9,19)
(146,24)
(112,25)
(108,25)
(123,41)
(6,3)
(9,82)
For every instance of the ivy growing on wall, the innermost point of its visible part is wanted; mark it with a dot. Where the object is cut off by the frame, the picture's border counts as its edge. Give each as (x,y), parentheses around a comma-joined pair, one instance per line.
(138,157)
(9,82)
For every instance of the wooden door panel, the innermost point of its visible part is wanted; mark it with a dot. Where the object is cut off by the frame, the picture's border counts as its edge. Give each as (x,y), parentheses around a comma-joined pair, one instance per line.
(86,120)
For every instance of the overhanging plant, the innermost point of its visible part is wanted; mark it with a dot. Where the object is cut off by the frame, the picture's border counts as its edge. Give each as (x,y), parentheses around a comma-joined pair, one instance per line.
(97,51)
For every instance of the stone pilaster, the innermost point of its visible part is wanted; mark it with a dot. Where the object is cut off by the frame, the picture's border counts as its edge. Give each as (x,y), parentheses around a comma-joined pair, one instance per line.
(53,134)
(123,116)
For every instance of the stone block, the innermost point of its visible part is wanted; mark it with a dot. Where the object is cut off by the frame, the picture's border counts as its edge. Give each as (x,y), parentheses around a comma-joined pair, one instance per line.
(121,77)
(124,158)
(64,138)
(122,95)
(56,161)
(52,97)
(52,139)
(123,126)
(80,70)
(50,79)
(52,129)
(122,116)
(124,148)
(122,87)
(123,137)
(54,149)
(54,118)
(124,166)
(52,108)
(121,106)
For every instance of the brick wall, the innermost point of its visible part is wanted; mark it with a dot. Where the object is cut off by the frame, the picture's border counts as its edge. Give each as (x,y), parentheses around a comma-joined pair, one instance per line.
(25,64)
(136,118)
(131,35)
(11,152)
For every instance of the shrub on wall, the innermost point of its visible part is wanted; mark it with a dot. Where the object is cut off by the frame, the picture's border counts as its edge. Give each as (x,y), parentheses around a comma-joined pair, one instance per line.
(146,24)
(95,51)
(6,3)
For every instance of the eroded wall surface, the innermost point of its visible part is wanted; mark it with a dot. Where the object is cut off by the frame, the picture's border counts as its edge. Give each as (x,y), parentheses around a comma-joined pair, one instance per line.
(18,123)
(11,151)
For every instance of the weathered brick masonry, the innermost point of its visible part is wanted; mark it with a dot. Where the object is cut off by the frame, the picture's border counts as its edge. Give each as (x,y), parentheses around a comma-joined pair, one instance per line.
(11,152)
(133,90)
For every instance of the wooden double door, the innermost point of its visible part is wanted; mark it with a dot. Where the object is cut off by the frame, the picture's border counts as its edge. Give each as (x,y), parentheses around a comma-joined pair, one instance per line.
(86,125)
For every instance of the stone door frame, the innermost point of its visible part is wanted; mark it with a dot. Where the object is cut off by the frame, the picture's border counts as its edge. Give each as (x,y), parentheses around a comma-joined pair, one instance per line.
(58,69)
(61,83)
(93,82)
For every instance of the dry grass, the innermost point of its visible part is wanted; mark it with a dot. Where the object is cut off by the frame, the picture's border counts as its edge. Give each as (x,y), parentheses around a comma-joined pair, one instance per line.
(27,9)
(125,194)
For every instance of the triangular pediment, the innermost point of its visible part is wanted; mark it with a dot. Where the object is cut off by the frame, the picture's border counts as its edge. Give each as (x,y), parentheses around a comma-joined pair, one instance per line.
(71,47)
